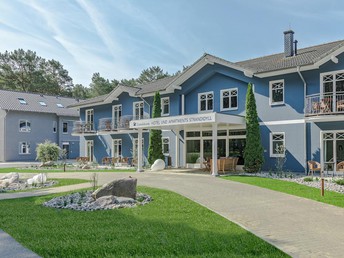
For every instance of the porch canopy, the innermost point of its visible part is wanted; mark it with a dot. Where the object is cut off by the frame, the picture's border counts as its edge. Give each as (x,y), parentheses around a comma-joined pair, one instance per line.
(178,123)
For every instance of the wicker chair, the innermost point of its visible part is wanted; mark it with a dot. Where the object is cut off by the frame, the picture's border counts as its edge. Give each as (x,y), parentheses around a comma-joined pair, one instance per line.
(313,166)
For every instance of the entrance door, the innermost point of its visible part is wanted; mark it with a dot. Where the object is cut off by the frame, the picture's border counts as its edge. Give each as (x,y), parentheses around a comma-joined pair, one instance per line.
(65,147)
(333,150)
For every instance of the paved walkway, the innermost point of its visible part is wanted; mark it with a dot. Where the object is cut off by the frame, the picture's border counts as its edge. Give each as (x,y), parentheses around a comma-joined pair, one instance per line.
(299,227)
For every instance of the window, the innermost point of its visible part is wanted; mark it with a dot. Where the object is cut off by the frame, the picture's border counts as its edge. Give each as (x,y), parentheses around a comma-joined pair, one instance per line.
(165,106)
(229,99)
(277,92)
(89,149)
(65,127)
(205,101)
(116,148)
(89,120)
(22,101)
(116,115)
(277,145)
(24,126)
(54,126)
(42,103)
(24,148)
(166,145)
(138,110)
(59,105)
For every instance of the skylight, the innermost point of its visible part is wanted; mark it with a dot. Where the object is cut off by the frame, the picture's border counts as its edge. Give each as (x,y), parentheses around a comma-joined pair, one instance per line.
(59,105)
(22,101)
(42,103)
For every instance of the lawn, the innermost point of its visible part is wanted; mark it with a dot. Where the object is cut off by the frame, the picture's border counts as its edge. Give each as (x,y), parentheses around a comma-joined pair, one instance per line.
(170,226)
(292,188)
(60,170)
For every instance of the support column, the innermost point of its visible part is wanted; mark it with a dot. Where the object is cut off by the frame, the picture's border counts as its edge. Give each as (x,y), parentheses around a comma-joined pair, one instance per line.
(214,156)
(139,151)
(177,165)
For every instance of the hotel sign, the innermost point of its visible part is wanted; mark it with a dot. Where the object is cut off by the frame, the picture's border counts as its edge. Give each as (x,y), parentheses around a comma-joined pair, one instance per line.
(173,121)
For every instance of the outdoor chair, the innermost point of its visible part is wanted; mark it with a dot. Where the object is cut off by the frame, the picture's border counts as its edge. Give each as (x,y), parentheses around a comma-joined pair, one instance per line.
(313,166)
(340,167)
(106,160)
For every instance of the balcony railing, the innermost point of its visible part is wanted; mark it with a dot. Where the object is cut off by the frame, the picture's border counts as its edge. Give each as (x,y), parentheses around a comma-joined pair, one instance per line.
(80,127)
(108,124)
(324,104)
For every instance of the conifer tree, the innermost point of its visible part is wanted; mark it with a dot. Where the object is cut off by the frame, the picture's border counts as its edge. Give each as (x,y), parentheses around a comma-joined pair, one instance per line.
(155,138)
(253,154)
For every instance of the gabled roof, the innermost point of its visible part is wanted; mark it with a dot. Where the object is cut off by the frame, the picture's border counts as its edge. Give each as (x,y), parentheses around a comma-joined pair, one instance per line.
(9,100)
(305,56)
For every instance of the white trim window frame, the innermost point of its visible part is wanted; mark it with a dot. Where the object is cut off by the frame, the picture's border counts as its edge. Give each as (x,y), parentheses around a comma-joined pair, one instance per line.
(166,145)
(276,92)
(138,111)
(116,115)
(24,148)
(89,149)
(54,126)
(116,148)
(165,106)
(89,119)
(277,139)
(65,127)
(24,126)
(229,99)
(205,102)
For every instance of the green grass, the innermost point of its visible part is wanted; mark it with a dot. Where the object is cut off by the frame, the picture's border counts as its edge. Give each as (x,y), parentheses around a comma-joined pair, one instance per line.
(292,188)
(61,182)
(170,226)
(60,170)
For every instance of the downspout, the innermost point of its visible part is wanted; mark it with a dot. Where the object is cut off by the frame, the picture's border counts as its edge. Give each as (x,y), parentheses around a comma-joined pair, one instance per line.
(304,123)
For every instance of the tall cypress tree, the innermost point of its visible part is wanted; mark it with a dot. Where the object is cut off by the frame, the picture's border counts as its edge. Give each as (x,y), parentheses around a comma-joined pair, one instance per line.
(253,153)
(155,139)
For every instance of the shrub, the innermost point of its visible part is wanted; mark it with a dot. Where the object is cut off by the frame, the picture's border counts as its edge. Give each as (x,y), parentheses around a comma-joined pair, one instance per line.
(47,151)
(253,154)
(308,179)
(339,181)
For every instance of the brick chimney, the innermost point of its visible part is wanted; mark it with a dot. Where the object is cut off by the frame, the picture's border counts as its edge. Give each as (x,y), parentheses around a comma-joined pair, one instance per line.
(288,43)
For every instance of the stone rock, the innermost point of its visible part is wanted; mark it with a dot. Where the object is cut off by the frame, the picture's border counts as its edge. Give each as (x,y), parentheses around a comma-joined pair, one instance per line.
(104,201)
(125,187)
(159,164)
(47,164)
(86,167)
(9,178)
(122,200)
(37,179)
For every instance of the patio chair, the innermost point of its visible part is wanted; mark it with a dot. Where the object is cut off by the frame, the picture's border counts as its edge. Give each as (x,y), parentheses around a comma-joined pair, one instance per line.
(340,167)
(313,166)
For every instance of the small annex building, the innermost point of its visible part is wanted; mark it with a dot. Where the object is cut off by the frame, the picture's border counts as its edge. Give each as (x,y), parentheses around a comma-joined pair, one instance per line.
(27,119)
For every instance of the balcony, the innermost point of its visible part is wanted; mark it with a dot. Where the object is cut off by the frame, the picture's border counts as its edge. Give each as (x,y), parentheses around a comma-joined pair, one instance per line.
(80,127)
(110,125)
(324,104)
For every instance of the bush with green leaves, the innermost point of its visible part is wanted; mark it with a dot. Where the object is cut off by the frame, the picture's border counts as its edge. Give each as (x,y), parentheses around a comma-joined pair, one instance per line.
(308,179)
(48,151)
(340,181)
(253,154)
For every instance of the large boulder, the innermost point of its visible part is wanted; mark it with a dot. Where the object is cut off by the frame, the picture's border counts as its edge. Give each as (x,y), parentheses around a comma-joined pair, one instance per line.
(9,178)
(37,179)
(125,187)
(159,164)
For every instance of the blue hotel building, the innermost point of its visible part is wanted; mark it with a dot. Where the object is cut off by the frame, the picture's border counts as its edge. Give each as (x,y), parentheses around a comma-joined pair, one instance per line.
(300,104)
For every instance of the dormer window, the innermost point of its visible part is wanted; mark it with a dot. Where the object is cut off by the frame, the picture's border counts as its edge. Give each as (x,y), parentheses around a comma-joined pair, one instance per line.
(22,101)
(42,103)
(59,105)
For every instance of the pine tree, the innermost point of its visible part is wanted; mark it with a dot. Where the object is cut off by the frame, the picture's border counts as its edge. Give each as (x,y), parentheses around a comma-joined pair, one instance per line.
(155,139)
(253,154)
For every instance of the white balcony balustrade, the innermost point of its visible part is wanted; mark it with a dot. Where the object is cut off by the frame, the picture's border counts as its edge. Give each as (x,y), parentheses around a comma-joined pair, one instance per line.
(324,104)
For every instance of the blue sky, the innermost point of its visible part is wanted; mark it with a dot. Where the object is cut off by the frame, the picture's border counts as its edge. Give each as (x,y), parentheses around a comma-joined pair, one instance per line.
(119,38)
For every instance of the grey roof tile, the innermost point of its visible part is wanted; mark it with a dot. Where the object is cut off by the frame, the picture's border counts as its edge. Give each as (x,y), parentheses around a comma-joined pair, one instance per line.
(9,101)
(154,86)
(305,56)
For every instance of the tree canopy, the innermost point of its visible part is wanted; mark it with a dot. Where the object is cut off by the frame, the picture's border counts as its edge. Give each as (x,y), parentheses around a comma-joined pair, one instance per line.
(25,71)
